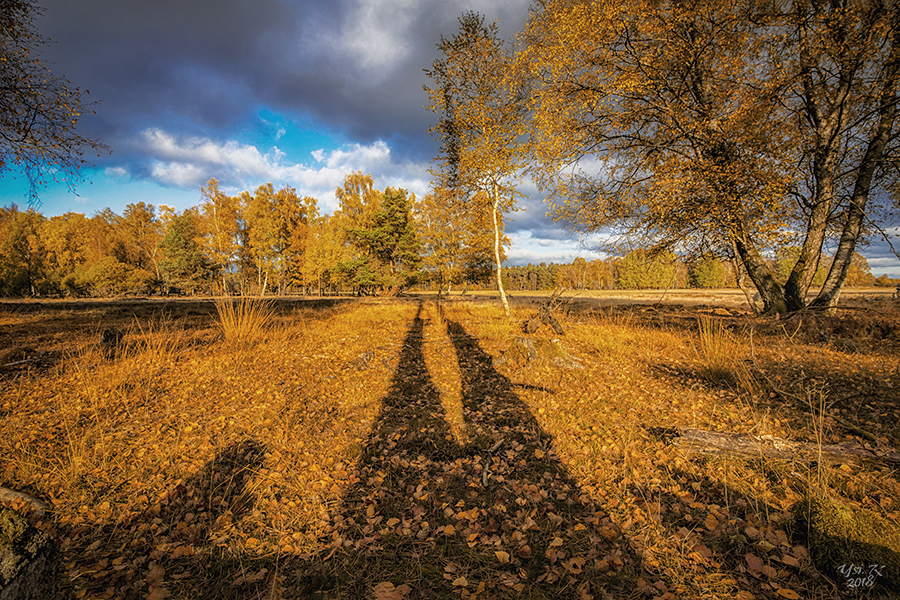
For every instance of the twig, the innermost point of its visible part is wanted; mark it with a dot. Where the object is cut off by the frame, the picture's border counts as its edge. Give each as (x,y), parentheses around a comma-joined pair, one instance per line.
(34,359)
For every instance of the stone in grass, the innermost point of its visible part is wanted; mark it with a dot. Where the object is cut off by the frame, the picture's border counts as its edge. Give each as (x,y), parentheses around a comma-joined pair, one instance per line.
(858,548)
(111,340)
(29,561)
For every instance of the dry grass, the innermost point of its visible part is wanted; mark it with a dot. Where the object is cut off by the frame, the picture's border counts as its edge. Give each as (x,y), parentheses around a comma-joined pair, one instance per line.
(332,456)
(245,321)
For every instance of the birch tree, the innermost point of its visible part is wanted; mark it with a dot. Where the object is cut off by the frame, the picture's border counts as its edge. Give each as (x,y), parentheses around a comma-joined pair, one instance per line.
(732,126)
(478,99)
(220,228)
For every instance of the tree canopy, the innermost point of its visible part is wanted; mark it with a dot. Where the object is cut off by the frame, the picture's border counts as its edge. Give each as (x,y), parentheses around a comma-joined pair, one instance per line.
(717,126)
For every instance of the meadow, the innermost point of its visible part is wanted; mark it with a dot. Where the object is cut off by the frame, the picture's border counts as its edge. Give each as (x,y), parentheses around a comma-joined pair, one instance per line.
(407,448)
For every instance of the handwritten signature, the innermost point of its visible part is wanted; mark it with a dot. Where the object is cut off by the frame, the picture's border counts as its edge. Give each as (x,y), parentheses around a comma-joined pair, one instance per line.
(861,576)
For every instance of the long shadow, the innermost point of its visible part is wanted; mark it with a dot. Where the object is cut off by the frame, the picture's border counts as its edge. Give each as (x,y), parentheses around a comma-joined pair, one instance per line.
(429,517)
(499,515)
(190,522)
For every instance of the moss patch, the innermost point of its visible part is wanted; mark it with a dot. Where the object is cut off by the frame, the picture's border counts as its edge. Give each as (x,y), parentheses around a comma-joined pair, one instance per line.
(855,546)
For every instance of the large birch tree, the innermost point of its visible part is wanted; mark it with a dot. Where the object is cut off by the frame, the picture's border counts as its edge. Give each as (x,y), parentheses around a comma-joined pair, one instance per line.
(478,99)
(734,126)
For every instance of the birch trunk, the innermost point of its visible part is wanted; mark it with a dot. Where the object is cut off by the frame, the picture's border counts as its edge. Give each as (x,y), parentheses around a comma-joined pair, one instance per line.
(495,207)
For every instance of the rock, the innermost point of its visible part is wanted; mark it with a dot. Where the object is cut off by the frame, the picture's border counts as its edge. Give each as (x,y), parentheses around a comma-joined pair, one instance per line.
(29,560)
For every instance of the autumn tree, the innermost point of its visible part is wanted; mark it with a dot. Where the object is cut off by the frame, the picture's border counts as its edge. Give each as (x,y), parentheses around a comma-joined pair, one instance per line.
(38,112)
(484,242)
(140,232)
(276,233)
(860,274)
(717,125)
(440,222)
(297,215)
(66,239)
(668,99)
(641,269)
(478,99)
(708,271)
(358,202)
(183,263)
(219,228)
(22,252)
(324,250)
(846,66)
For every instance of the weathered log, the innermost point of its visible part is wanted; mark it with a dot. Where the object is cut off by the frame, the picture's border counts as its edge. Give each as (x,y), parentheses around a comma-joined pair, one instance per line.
(725,442)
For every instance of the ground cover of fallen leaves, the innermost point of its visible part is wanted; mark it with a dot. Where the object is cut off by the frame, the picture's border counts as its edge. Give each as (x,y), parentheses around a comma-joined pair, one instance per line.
(390,449)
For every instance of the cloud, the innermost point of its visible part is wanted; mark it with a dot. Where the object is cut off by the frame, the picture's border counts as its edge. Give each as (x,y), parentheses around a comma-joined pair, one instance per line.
(188,162)
(528,247)
(117,172)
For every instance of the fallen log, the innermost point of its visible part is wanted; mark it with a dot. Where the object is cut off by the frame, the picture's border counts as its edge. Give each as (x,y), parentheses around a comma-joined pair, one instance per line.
(726,442)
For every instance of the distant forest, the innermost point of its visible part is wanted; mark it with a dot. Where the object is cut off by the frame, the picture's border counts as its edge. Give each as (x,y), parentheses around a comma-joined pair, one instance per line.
(274,242)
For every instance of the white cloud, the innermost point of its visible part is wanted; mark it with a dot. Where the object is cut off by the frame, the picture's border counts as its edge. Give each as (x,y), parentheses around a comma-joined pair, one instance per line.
(191,162)
(527,248)
(117,172)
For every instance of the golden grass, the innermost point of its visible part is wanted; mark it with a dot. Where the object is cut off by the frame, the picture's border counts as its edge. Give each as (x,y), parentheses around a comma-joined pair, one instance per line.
(238,472)
(246,321)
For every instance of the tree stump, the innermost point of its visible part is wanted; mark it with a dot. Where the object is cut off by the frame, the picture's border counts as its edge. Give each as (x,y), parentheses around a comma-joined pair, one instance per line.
(110,340)
(545,316)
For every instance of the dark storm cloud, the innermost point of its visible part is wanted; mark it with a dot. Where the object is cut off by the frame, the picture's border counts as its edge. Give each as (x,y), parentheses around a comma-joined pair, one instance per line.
(204,67)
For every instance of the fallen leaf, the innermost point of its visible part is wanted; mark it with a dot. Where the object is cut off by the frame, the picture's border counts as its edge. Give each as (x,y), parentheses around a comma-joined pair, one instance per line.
(502,556)
(754,563)
(386,591)
(790,560)
(786,593)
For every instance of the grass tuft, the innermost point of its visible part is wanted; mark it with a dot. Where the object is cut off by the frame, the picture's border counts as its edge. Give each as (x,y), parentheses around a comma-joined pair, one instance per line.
(716,349)
(244,322)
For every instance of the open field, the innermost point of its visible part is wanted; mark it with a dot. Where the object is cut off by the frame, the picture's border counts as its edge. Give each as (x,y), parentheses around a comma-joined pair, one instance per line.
(730,297)
(407,449)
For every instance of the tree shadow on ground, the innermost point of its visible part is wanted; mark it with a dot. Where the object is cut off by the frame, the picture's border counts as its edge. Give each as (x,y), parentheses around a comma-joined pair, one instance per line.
(498,515)
(177,542)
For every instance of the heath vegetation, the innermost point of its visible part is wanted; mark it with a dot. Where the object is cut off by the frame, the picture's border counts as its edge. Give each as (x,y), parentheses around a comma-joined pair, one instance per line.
(387,448)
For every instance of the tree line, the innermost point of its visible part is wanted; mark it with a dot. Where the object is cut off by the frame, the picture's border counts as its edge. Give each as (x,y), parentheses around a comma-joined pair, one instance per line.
(273,241)
(268,241)
(639,269)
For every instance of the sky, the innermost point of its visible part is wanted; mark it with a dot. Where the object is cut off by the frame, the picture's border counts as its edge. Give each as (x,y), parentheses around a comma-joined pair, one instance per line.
(292,92)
